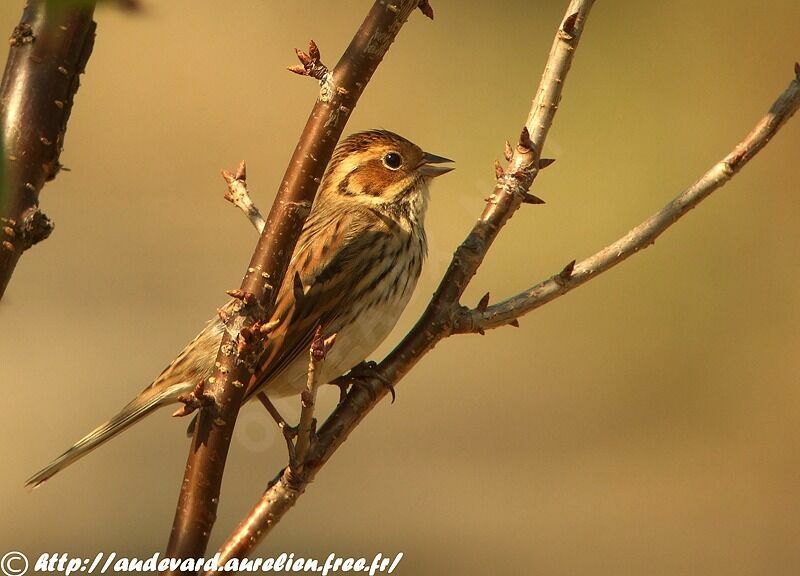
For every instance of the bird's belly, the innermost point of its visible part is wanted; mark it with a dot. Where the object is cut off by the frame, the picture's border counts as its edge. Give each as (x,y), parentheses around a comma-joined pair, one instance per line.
(355,341)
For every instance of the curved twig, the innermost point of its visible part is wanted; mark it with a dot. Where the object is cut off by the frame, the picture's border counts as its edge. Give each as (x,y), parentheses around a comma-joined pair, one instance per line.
(644,234)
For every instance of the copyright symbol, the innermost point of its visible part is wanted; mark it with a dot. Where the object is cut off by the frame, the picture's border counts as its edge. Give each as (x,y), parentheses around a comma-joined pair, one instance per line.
(14,563)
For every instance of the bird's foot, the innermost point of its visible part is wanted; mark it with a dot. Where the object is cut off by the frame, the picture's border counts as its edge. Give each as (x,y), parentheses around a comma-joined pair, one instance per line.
(369,369)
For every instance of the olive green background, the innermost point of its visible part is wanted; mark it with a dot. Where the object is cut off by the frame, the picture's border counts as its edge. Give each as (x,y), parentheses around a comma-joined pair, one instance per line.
(645,424)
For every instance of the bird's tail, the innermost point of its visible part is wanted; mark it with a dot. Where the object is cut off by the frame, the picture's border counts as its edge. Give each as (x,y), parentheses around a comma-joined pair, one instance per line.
(149,400)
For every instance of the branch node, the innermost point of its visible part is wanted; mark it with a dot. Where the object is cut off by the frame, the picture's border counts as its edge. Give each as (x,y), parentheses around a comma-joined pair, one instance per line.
(310,63)
(321,346)
(22,34)
(514,323)
(36,227)
(193,400)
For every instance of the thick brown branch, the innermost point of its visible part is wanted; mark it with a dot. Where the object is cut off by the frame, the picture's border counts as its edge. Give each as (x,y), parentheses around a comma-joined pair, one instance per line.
(196,510)
(49,50)
(644,234)
(436,323)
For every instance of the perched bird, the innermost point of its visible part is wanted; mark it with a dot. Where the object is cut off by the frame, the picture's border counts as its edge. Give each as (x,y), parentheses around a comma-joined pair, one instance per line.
(353,270)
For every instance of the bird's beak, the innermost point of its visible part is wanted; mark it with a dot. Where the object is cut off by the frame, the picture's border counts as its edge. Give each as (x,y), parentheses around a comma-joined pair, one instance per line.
(428,165)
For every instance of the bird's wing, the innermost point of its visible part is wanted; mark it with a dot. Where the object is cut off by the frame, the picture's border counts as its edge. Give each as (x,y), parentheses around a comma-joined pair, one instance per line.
(330,259)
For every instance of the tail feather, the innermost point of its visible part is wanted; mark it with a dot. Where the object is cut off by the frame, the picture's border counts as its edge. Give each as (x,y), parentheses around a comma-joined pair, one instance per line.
(134,411)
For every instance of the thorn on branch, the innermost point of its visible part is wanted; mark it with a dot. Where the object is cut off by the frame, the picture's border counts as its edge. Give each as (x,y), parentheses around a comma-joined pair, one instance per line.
(566,273)
(797,69)
(426,8)
(483,304)
(310,63)
(498,170)
(568,27)
(545,162)
(508,153)
(531,199)
(514,323)
(525,144)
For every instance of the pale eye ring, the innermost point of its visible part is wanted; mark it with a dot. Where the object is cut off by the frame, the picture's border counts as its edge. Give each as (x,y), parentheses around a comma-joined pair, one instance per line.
(392,160)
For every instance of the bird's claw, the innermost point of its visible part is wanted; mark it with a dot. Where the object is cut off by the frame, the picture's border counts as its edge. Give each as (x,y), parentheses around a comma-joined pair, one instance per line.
(369,369)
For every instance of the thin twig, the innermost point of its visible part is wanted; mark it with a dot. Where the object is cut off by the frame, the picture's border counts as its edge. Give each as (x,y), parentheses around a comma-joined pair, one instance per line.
(238,195)
(305,429)
(289,433)
(643,235)
(436,322)
(49,49)
(240,346)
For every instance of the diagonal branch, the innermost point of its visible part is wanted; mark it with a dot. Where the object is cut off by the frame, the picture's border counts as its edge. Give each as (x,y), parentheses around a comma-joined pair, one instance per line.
(437,321)
(235,363)
(48,51)
(644,234)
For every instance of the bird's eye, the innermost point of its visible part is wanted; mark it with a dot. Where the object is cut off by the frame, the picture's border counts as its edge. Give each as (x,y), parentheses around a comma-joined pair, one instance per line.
(393,160)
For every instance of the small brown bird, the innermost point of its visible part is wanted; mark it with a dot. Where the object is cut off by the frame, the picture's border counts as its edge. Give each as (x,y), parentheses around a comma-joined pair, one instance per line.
(358,259)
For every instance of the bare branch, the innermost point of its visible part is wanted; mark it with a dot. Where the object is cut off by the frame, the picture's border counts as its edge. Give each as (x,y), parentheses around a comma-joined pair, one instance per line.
(644,234)
(238,195)
(237,356)
(48,51)
(436,322)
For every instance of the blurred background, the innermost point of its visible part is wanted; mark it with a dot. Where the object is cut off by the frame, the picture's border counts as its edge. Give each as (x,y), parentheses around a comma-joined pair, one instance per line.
(644,424)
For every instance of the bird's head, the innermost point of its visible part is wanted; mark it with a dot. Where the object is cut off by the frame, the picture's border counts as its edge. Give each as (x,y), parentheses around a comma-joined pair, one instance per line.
(379,167)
